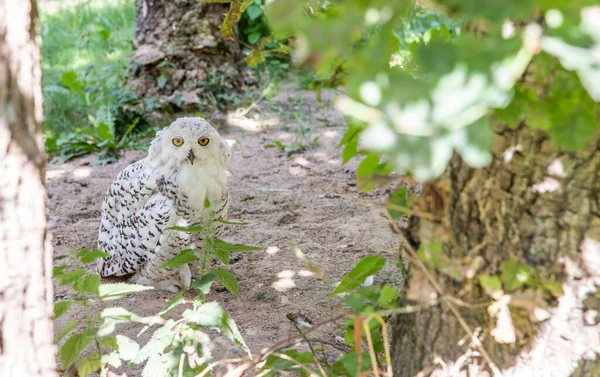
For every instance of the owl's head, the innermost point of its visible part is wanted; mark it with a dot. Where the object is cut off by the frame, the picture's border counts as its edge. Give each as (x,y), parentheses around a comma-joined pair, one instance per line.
(191,141)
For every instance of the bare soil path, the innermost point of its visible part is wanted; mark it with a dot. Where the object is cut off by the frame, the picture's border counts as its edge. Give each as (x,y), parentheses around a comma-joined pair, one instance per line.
(306,199)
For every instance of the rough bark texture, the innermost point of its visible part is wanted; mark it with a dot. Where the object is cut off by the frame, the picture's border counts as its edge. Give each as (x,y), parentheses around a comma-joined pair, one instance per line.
(180,41)
(539,206)
(26,298)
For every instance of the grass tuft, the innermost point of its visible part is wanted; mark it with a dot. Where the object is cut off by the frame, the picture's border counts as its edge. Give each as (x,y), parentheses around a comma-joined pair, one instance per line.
(86,50)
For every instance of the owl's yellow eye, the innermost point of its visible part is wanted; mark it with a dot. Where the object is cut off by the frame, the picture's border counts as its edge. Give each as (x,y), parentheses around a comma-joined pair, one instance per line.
(203,141)
(177,141)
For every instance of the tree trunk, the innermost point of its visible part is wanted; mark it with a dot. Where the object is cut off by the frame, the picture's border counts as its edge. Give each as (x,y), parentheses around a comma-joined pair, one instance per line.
(533,204)
(181,55)
(26,298)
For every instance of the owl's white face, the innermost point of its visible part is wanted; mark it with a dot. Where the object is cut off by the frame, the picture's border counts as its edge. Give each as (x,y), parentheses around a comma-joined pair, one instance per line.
(190,141)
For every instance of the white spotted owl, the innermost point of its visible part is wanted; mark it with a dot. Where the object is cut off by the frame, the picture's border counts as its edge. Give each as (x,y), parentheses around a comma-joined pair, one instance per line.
(186,164)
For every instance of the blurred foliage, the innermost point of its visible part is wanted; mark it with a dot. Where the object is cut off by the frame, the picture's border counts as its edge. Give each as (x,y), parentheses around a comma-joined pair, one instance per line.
(427,81)
(422,82)
(86,51)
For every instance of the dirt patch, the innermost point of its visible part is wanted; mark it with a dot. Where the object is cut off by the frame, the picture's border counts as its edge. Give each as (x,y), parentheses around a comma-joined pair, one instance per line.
(307,199)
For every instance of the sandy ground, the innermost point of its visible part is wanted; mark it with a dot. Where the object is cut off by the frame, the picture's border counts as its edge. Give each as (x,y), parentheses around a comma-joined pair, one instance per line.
(308,199)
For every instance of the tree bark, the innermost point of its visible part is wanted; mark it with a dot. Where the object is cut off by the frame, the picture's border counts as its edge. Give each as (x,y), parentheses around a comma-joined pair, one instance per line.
(534,204)
(181,55)
(26,297)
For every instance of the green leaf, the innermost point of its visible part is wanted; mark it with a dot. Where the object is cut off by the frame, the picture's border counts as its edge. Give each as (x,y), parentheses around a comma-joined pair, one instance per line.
(230,329)
(231,18)
(365,267)
(70,351)
(104,131)
(161,81)
(70,277)
(388,293)
(104,34)
(254,37)
(431,253)
(368,165)
(350,363)
(194,228)
(109,342)
(491,285)
(207,315)
(70,80)
(253,59)
(205,282)
(175,302)
(85,367)
(58,270)
(90,256)
(515,275)
(350,150)
(116,290)
(127,348)
(67,329)
(120,314)
(185,257)
(161,339)
(398,198)
(254,11)
(110,317)
(89,284)
(61,307)
(241,223)
(155,367)
(554,287)
(111,359)
(478,140)
(222,245)
(277,363)
(227,279)
(574,132)
(222,255)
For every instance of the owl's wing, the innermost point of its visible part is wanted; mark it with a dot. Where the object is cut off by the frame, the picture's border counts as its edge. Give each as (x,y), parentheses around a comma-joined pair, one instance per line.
(131,213)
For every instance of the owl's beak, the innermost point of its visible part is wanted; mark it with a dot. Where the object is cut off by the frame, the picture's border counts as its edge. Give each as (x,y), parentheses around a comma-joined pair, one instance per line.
(191,156)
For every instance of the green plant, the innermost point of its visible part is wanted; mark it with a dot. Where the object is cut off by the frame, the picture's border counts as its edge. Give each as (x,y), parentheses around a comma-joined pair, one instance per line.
(101,138)
(85,61)
(176,345)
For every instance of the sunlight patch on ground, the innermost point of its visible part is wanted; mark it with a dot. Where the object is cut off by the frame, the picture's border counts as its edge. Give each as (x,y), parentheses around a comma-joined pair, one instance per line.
(301,161)
(82,172)
(283,285)
(305,273)
(286,274)
(230,142)
(285,281)
(51,174)
(297,171)
(272,250)
(251,125)
(331,134)
(285,137)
